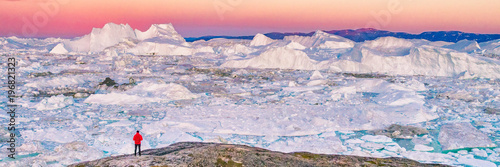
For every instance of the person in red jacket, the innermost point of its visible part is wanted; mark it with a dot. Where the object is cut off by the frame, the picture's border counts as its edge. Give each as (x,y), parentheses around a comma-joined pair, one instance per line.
(137,139)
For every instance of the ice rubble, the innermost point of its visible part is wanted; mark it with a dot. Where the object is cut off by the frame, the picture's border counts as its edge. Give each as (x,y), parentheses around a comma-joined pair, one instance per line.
(68,153)
(54,102)
(63,81)
(146,92)
(328,145)
(287,110)
(63,155)
(291,120)
(50,134)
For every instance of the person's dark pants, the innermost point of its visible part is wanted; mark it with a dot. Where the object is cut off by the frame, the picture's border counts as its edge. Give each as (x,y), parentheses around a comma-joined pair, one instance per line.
(135,152)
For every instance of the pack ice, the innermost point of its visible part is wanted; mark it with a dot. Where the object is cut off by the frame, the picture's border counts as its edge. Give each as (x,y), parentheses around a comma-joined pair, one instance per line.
(322,94)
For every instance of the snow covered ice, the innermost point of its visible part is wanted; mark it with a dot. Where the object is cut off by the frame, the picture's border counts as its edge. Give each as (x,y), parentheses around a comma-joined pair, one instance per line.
(322,94)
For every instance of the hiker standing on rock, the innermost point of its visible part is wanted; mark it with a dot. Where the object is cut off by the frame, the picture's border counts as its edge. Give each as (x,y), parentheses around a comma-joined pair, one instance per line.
(137,139)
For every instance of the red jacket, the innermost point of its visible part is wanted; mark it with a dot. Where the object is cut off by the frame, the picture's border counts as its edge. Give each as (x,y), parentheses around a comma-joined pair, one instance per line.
(137,138)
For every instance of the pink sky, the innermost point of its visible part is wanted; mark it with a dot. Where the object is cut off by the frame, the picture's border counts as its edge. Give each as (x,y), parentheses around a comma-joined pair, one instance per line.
(191,18)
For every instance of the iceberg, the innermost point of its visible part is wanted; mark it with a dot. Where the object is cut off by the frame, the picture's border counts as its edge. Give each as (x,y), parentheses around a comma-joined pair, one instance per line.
(260,40)
(281,57)
(322,40)
(59,49)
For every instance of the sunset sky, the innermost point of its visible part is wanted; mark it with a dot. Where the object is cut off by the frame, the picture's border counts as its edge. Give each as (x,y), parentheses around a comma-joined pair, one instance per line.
(192,18)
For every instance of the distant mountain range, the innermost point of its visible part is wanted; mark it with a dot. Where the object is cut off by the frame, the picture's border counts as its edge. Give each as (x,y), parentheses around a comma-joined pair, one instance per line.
(364,34)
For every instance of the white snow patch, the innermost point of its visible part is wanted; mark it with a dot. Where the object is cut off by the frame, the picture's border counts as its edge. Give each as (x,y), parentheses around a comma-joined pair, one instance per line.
(317,82)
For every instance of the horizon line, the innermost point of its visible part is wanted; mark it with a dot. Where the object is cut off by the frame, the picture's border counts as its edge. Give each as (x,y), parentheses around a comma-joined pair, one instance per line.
(250,35)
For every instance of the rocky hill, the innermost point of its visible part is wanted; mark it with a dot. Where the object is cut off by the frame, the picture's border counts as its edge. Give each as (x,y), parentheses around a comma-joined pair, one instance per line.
(215,154)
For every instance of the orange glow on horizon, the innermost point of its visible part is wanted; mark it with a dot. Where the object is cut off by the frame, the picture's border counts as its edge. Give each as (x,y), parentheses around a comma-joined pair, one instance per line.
(245,17)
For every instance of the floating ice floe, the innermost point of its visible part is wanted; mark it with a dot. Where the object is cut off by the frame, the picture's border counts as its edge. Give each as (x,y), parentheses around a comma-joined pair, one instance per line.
(377,138)
(454,136)
(326,145)
(49,134)
(420,147)
(475,162)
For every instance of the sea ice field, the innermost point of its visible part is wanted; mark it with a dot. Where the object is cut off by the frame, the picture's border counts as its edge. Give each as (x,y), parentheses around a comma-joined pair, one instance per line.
(83,99)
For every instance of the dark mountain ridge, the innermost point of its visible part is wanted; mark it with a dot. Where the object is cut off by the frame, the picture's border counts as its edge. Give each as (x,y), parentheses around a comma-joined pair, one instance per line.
(364,34)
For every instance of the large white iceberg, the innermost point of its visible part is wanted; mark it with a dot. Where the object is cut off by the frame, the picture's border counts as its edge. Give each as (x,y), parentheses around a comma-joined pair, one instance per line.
(281,57)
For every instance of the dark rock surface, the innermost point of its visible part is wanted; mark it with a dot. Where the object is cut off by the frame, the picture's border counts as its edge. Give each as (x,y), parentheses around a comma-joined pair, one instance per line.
(110,85)
(215,154)
(401,132)
(108,82)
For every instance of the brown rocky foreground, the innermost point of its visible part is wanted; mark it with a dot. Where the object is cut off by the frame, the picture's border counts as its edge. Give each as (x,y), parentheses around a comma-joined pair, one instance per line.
(216,154)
